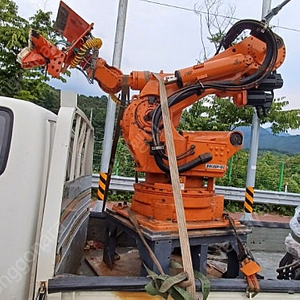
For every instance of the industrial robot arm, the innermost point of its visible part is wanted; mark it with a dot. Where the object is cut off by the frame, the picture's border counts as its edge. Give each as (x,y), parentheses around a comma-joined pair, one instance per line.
(244,70)
(240,67)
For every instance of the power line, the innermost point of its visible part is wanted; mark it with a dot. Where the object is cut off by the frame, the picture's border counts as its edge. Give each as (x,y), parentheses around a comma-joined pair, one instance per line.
(206,13)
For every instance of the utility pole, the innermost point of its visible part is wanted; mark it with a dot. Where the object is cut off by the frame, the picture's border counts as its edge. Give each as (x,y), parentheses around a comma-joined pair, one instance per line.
(111,105)
(253,151)
(266,7)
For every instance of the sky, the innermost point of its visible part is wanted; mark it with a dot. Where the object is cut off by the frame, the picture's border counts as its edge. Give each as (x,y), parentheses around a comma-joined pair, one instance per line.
(165,35)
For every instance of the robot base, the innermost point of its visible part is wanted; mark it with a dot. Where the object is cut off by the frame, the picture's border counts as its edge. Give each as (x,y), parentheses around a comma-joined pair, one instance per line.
(155,209)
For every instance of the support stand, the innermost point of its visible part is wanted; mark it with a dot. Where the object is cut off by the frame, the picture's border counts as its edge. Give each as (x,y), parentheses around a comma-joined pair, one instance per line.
(163,243)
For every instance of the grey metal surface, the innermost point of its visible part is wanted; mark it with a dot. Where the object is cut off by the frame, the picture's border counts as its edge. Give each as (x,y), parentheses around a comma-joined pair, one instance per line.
(119,183)
(74,223)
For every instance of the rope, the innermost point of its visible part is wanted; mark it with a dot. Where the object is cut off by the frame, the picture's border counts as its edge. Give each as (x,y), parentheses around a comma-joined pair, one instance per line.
(133,220)
(248,265)
(291,265)
(183,234)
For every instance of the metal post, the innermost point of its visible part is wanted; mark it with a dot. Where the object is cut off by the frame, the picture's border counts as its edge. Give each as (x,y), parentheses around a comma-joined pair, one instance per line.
(266,7)
(251,168)
(281,177)
(111,105)
(230,169)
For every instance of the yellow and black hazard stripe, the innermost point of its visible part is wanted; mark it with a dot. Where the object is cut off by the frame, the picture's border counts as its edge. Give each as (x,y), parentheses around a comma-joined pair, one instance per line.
(248,204)
(102,186)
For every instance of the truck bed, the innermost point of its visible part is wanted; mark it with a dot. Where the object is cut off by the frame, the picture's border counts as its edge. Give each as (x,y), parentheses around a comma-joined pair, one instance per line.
(94,276)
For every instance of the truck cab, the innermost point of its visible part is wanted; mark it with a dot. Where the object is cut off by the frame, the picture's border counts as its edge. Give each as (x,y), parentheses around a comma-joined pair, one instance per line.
(45,184)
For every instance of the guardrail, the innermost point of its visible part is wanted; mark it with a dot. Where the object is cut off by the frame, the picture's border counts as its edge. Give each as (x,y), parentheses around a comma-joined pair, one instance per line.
(120,183)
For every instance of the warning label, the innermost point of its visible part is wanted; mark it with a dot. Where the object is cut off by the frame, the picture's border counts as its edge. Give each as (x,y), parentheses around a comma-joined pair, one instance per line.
(215,167)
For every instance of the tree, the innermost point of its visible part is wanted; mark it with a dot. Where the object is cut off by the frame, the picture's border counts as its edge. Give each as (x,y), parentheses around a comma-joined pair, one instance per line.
(34,85)
(95,107)
(216,18)
(268,172)
(213,113)
(239,171)
(13,36)
(282,120)
(15,81)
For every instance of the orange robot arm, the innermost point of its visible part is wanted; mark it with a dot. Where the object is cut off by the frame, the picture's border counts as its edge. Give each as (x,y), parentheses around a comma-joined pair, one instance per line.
(239,67)
(244,71)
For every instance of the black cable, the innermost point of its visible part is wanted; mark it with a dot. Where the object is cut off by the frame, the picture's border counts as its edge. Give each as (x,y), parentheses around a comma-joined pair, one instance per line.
(175,98)
(156,118)
(263,33)
(260,31)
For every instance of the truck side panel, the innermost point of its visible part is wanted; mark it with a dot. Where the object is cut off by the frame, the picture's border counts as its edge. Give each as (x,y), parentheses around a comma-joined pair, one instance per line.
(22,186)
(65,215)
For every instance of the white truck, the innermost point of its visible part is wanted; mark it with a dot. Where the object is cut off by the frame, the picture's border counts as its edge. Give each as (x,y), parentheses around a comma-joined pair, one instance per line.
(45,184)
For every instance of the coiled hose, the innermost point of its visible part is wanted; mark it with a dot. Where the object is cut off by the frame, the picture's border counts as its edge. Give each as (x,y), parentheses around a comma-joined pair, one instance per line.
(93,43)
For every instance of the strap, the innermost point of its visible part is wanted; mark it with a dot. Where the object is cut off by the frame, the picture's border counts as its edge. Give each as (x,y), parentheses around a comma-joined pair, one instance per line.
(124,98)
(205,284)
(183,235)
(248,266)
(134,221)
(166,285)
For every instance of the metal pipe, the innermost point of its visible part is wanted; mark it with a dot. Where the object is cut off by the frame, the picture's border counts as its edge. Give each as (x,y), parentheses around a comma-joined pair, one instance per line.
(111,105)
(254,139)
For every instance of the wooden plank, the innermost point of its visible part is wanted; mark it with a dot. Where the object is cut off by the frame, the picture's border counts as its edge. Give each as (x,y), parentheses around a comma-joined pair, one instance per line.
(126,264)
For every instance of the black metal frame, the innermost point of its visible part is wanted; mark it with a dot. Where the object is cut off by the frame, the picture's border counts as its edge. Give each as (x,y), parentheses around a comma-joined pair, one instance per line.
(128,283)
(137,284)
(163,243)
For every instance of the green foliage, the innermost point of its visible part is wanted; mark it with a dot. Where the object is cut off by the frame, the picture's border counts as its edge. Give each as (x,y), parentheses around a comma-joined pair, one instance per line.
(214,114)
(124,164)
(119,196)
(272,208)
(267,178)
(282,120)
(233,206)
(268,171)
(239,171)
(49,98)
(291,176)
(95,107)
(219,114)
(14,81)
(13,34)
(216,38)
(42,23)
